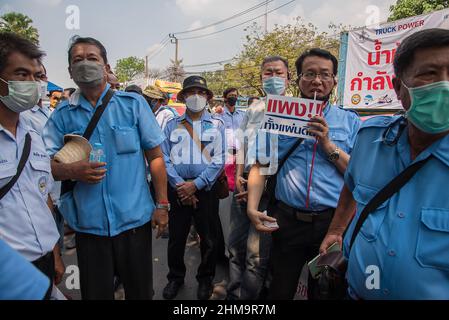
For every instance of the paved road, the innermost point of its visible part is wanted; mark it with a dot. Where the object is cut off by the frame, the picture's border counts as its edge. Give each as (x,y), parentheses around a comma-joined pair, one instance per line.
(160,270)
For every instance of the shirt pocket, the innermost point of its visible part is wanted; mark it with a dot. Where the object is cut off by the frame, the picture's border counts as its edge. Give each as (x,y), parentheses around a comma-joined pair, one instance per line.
(6,173)
(362,195)
(43,171)
(126,139)
(432,246)
(340,138)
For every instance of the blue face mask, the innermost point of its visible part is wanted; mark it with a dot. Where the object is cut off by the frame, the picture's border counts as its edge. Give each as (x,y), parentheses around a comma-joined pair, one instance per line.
(274,85)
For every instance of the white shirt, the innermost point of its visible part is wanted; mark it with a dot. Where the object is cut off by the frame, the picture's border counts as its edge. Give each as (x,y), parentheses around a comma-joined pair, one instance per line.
(26,222)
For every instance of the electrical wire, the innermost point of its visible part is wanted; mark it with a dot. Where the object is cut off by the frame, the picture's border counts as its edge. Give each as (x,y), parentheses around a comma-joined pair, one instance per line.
(227,19)
(237,25)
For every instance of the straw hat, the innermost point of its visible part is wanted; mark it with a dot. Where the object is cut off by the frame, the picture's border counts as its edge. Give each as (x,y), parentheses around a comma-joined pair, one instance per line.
(154,92)
(75,148)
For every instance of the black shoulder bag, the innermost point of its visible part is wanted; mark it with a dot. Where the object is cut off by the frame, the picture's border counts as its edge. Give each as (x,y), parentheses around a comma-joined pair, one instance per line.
(331,284)
(22,162)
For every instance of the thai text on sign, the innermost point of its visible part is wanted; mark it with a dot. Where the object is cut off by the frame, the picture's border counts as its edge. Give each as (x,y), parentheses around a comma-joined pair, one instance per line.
(289,116)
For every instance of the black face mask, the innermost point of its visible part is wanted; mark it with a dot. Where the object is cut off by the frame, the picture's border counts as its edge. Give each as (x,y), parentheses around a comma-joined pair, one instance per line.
(231,101)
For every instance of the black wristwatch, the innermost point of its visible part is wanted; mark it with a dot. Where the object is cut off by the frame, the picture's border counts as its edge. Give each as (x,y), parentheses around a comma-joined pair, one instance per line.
(334,155)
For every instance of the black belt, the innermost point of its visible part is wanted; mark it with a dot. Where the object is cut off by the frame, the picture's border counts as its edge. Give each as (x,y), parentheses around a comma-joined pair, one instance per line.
(306,216)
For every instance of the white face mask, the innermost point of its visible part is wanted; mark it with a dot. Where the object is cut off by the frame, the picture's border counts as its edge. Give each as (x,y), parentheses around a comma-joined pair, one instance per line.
(196,103)
(43,87)
(23,95)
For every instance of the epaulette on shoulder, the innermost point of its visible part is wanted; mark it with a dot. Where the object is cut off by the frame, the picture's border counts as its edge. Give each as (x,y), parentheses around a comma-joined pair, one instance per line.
(379,121)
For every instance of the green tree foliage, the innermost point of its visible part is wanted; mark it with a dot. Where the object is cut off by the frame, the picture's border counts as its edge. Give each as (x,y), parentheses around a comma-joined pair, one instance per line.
(128,68)
(20,24)
(287,41)
(408,8)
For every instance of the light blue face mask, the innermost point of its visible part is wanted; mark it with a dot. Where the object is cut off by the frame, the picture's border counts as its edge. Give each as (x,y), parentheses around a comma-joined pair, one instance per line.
(274,85)
(429,110)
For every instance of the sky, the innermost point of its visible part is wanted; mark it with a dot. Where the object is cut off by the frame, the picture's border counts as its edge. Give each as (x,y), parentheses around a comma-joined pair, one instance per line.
(137,27)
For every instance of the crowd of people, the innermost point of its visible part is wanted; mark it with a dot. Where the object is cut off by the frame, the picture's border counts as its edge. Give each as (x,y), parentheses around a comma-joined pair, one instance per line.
(249,194)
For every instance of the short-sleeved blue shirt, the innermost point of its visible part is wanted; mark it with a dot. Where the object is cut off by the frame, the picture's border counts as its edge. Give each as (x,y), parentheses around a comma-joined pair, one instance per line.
(121,201)
(406,240)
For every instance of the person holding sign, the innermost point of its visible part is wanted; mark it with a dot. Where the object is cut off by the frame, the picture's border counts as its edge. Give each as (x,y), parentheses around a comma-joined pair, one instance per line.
(305,199)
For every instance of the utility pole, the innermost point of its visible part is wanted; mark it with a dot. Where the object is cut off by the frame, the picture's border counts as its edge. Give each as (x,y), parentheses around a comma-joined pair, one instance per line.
(175,41)
(146,67)
(266,17)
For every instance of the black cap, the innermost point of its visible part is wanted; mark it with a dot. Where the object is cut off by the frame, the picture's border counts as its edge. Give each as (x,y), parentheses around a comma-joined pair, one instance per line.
(134,88)
(194,82)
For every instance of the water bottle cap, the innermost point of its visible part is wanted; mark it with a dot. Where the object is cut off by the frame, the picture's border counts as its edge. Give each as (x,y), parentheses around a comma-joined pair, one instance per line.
(98,145)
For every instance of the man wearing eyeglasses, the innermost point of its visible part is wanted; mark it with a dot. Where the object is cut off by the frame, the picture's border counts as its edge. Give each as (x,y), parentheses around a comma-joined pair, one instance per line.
(303,214)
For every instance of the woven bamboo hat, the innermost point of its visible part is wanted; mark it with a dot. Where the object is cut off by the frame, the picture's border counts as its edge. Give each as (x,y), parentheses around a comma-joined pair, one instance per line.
(76,148)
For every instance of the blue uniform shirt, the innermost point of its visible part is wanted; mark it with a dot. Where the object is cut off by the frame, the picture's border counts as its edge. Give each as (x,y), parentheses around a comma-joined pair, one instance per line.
(37,117)
(232,123)
(183,157)
(26,222)
(407,237)
(19,279)
(121,201)
(327,181)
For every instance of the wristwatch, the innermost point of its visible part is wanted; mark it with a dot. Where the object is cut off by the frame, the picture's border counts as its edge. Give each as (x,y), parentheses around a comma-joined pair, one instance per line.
(334,155)
(163,205)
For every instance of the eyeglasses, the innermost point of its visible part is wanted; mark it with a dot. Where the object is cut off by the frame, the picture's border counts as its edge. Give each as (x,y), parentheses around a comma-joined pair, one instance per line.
(310,76)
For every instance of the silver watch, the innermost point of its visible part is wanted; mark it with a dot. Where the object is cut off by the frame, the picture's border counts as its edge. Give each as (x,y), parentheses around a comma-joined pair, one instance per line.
(165,206)
(334,155)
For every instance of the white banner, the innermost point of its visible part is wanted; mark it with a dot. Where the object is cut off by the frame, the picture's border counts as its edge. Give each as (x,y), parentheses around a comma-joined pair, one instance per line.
(369,60)
(289,116)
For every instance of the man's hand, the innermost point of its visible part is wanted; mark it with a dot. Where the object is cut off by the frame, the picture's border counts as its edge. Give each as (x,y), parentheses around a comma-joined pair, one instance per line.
(185,190)
(159,220)
(88,172)
(330,238)
(192,201)
(319,127)
(59,269)
(257,218)
(240,185)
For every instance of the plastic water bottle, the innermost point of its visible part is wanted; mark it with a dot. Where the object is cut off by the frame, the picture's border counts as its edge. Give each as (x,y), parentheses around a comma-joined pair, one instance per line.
(97,153)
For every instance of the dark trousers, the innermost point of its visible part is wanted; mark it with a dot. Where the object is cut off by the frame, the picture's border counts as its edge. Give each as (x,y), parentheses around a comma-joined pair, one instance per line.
(206,221)
(127,255)
(46,265)
(295,243)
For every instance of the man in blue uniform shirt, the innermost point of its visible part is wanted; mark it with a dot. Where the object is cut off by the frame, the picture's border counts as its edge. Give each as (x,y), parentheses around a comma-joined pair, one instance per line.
(401,251)
(302,225)
(26,222)
(113,205)
(19,279)
(192,174)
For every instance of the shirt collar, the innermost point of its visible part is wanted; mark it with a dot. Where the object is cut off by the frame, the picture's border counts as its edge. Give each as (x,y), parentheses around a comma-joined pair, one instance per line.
(327,108)
(22,129)
(206,116)
(80,101)
(440,149)
(35,108)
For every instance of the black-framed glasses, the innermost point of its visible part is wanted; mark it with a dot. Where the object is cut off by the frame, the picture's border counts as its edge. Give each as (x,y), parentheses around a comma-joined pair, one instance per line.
(310,76)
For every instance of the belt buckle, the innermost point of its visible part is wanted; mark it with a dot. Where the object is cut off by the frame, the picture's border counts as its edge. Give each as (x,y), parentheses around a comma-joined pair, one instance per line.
(304,217)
